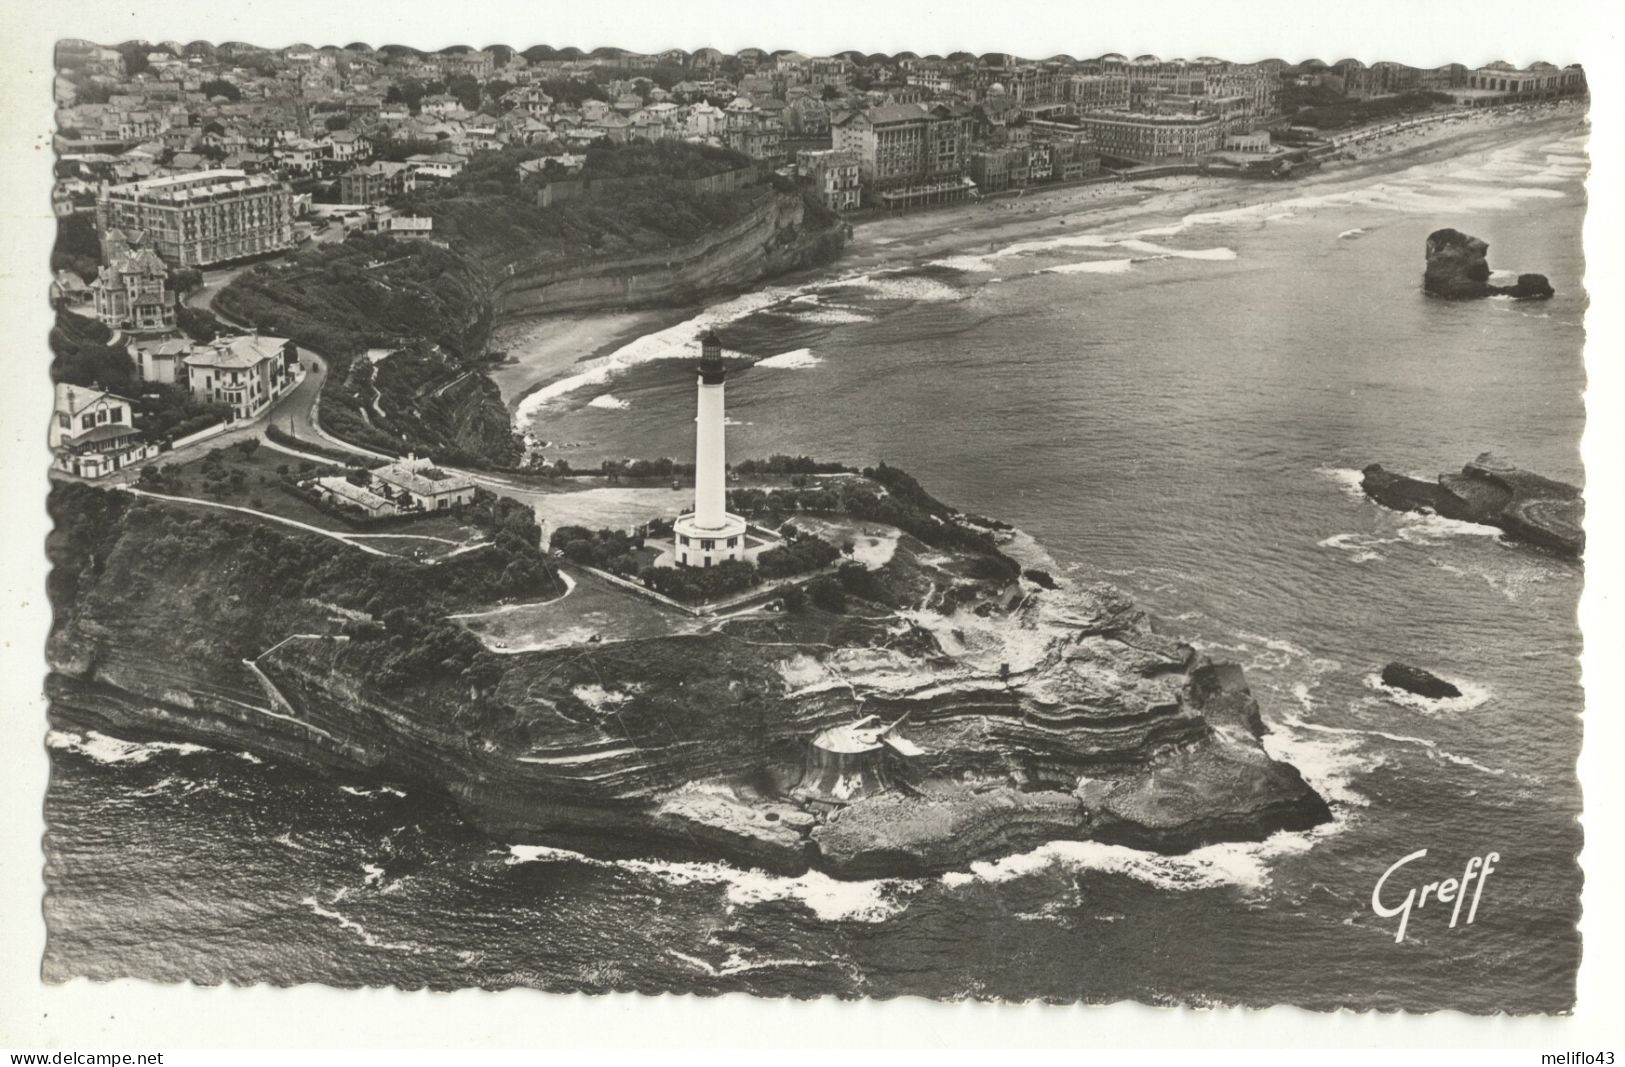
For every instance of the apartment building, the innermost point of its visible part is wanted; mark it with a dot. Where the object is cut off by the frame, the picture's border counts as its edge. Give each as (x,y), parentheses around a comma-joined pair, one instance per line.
(1142,138)
(196,220)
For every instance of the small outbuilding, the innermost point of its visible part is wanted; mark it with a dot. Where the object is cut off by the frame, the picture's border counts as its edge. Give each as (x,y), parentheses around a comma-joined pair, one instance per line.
(855,760)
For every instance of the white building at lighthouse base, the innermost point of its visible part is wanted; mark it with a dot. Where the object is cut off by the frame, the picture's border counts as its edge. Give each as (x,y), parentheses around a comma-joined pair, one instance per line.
(701,546)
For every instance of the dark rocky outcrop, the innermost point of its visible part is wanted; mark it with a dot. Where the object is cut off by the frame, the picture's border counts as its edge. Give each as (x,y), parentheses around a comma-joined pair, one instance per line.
(1416,680)
(1458,269)
(1530,508)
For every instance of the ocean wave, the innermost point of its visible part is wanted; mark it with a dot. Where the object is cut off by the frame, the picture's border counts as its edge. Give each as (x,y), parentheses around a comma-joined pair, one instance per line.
(105,749)
(1330,764)
(1359,546)
(1421,527)
(1431,746)
(356,791)
(1351,234)
(884,286)
(800,359)
(831,315)
(608,402)
(829,899)
(1473,695)
(1092,266)
(1154,249)
(673,342)
(736,963)
(1241,864)
(1348,479)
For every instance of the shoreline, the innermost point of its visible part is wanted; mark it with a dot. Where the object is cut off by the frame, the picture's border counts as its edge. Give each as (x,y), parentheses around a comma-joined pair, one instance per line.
(904,241)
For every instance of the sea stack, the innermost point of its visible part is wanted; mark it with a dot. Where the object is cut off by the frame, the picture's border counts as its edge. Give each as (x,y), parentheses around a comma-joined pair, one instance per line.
(1458,269)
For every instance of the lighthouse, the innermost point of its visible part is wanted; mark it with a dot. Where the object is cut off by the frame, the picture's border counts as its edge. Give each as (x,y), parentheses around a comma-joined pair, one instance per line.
(709,534)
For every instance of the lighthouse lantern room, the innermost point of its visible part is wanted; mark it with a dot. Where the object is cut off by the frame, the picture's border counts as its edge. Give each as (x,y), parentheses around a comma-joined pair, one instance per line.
(709,533)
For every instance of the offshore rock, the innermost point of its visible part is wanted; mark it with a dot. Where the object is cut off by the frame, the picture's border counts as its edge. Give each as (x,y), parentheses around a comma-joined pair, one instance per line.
(1416,680)
(1458,269)
(1532,509)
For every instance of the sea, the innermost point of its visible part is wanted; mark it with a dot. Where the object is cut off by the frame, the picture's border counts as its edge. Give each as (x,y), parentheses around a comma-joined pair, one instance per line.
(1179,405)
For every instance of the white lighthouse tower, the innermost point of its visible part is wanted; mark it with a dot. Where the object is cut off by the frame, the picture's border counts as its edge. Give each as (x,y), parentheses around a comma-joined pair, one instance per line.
(709,533)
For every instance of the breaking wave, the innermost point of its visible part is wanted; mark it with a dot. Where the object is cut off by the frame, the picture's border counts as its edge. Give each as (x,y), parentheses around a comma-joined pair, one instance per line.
(800,359)
(1472,695)
(828,898)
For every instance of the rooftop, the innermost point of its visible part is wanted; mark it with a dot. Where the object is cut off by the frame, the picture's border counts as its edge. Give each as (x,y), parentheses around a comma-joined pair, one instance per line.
(238,353)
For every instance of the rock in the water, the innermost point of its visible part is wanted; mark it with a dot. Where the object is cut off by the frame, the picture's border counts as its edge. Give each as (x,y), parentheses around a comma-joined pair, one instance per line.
(1041,578)
(1458,269)
(1529,287)
(1416,680)
(1536,510)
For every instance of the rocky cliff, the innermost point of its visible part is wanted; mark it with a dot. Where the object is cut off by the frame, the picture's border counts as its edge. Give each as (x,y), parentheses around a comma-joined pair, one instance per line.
(1066,716)
(774,238)
(1458,269)
(1530,508)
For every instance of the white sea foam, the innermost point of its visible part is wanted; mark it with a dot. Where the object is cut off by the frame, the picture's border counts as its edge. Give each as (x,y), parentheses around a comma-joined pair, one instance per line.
(1330,764)
(104,749)
(1154,249)
(1473,695)
(800,359)
(608,402)
(1349,479)
(1246,865)
(674,342)
(1351,234)
(907,287)
(831,315)
(380,791)
(1420,527)
(826,897)
(968,262)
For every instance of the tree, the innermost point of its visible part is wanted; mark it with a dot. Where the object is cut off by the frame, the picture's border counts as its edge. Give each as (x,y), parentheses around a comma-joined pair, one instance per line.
(336,122)
(221,87)
(135,57)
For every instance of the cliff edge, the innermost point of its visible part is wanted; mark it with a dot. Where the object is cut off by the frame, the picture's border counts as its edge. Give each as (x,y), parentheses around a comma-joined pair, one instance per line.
(1032,715)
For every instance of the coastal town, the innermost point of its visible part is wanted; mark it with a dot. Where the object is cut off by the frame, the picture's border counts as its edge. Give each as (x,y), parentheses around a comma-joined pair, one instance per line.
(181,165)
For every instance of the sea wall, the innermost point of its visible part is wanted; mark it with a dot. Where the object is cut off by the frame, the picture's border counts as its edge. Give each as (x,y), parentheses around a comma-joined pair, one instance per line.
(773,239)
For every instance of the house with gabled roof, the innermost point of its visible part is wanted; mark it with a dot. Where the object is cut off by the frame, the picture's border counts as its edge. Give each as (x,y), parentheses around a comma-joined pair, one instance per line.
(93,432)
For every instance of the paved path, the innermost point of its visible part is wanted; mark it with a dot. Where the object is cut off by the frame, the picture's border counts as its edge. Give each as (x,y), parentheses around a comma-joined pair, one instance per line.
(342,538)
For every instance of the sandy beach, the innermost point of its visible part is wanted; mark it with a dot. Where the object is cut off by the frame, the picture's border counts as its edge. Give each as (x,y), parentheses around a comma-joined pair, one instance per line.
(544,348)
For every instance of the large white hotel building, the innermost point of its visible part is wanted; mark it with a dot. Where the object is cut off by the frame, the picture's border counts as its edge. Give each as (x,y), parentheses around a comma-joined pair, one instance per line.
(195,220)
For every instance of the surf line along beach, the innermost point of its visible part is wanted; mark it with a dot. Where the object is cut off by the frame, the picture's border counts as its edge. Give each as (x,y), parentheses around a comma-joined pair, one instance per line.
(544,351)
